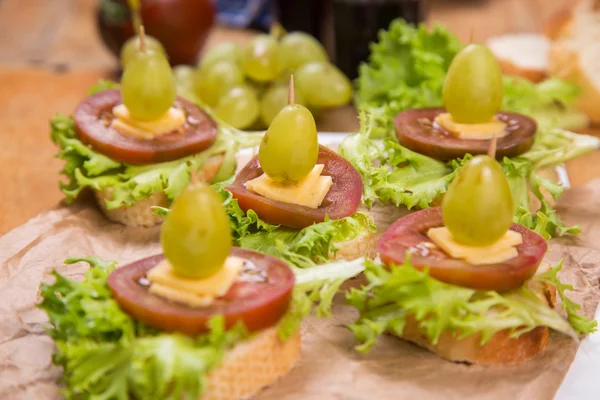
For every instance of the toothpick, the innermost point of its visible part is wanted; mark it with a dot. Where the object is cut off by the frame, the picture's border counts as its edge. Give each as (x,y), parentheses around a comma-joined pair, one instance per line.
(142,39)
(291,91)
(472,35)
(492,149)
(136,19)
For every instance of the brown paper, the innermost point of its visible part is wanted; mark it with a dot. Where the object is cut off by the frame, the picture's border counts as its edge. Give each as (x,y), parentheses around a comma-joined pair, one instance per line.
(329,368)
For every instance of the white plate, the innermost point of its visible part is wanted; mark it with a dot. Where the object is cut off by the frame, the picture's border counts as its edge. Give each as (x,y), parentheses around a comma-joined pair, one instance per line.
(581,382)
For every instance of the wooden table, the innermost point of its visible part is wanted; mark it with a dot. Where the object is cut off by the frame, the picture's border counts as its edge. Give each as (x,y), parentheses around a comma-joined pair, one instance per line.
(50,54)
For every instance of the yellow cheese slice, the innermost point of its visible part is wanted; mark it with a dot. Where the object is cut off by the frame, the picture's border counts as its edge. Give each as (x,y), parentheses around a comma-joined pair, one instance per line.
(178,296)
(472,131)
(504,249)
(194,292)
(173,119)
(309,191)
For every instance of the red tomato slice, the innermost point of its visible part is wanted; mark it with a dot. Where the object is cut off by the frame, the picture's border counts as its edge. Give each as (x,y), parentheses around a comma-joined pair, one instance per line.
(416,131)
(341,201)
(409,235)
(92,120)
(259,298)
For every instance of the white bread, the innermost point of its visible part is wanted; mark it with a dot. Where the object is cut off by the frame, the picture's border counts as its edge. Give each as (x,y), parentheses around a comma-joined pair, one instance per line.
(575,54)
(362,246)
(522,54)
(500,350)
(140,213)
(253,365)
(560,24)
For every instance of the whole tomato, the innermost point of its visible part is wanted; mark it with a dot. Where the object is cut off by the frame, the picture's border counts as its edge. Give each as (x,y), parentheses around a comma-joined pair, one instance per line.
(182,26)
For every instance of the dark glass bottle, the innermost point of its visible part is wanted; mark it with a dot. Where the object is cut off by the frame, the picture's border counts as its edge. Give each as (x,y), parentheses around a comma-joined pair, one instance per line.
(300,15)
(357,22)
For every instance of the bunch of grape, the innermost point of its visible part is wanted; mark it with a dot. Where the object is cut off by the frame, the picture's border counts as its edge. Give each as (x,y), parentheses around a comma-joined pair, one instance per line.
(248,85)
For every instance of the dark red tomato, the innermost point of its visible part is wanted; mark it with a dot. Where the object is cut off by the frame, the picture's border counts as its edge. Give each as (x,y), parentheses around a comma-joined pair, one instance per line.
(417,131)
(94,115)
(408,235)
(259,298)
(182,26)
(341,201)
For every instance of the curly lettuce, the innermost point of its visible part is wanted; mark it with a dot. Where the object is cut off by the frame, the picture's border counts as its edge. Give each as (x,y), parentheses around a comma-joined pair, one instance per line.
(407,67)
(86,168)
(392,295)
(394,174)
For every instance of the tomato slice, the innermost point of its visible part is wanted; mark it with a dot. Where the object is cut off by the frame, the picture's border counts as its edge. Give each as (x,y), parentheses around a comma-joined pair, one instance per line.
(92,121)
(259,298)
(417,131)
(408,235)
(341,201)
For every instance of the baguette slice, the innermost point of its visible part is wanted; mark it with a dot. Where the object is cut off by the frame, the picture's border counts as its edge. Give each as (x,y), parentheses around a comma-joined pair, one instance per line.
(575,54)
(251,366)
(140,213)
(500,350)
(361,246)
(559,25)
(522,54)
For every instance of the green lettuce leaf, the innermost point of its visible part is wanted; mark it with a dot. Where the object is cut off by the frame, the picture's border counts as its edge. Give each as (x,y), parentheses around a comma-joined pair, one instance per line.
(393,294)
(393,174)
(242,224)
(550,103)
(312,245)
(580,323)
(102,85)
(315,289)
(85,168)
(407,67)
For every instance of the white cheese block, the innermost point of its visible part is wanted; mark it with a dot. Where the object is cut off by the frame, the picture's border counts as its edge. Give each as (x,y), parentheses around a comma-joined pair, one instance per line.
(194,292)
(472,131)
(504,249)
(173,119)
(309,191)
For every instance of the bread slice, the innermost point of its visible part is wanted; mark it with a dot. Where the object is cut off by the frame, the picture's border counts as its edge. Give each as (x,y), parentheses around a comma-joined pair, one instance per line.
(559,25)
(575,55)
(253,365)
(361,246)
(500,350)
(522,54)
(140,213)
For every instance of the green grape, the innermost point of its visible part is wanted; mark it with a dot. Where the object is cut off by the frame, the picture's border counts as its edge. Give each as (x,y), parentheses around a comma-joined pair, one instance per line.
(195,235)
(473,89)
(148,86)
(274,100)
(478,206)
(323,85)
(261,59)
(214,81)
(290,148)
(131,48)
(299,48)
(184,76)
(239,107)
(224,51)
